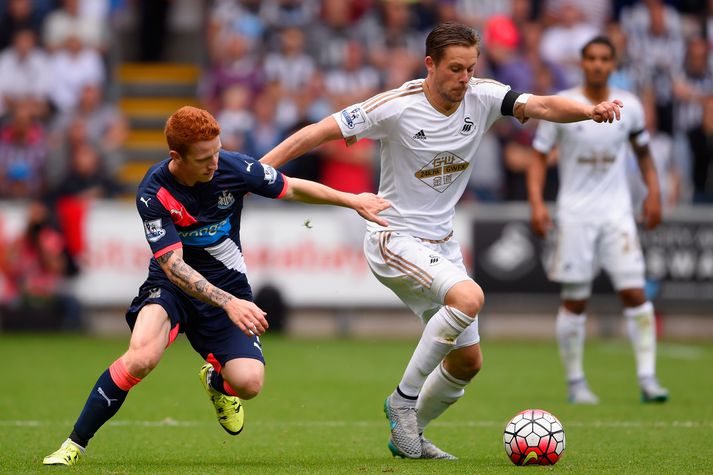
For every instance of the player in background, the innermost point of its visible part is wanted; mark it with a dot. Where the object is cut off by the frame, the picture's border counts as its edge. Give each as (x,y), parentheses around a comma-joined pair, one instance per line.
(191,204)
(430,130)
(595,224)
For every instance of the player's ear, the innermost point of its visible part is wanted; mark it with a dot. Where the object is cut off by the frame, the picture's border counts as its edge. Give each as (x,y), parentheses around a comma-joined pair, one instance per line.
(429,63)
(175,155)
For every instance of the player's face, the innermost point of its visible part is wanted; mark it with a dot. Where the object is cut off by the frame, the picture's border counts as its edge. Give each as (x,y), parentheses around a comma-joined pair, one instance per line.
(201,161)
(453,71)
(597,64)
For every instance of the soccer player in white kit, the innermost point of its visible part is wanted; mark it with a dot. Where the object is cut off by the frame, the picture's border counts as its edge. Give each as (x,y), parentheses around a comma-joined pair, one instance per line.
(430,130)
(595,221)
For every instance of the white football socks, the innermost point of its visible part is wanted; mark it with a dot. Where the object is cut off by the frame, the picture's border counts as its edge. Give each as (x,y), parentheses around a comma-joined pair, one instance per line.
(439,392)
(640,324)
(438,338)
(570,330)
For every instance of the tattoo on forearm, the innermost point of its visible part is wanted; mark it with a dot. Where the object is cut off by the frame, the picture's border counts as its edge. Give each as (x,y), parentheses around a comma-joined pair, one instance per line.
(192,282)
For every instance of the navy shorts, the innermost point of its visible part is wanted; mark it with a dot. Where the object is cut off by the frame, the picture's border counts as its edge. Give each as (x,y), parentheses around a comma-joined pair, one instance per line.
(209,329)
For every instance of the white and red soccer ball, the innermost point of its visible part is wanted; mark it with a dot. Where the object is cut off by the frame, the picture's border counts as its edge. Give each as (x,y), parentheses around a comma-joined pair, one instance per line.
(534,437)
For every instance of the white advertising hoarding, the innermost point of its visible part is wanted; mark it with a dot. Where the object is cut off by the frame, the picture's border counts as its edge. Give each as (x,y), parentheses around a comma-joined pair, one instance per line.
(313,254)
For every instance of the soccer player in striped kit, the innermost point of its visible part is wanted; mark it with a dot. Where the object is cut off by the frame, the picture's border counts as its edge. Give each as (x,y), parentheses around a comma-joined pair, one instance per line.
(430,130)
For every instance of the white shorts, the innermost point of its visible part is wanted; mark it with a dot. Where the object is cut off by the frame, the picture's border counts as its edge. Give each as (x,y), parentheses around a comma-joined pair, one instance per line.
(419,272)
(581,249)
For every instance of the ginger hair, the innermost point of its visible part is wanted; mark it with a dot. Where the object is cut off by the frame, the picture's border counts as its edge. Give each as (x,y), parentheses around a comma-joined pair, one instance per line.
(187,126)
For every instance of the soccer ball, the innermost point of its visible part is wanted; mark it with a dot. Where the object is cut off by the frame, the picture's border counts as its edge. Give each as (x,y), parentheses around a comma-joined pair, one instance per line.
(534,437)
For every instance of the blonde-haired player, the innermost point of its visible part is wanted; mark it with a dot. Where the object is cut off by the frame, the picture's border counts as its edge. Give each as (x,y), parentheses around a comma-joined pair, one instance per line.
(430,130)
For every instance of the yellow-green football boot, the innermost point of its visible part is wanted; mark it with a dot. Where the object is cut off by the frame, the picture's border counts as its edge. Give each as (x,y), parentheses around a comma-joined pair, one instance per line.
(68,454)
(227,408)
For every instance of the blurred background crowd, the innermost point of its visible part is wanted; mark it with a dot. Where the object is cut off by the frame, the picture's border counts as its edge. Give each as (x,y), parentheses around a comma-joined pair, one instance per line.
(268,67)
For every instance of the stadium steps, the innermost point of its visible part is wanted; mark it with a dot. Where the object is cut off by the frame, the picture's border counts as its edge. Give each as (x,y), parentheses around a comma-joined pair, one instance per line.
(150,92)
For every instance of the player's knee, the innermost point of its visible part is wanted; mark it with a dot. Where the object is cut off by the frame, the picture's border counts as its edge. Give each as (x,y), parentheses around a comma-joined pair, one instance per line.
(140,362)
(466,296)
(249,387)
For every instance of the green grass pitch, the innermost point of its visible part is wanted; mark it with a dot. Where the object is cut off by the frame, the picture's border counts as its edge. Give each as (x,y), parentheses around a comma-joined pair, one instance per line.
(321,410)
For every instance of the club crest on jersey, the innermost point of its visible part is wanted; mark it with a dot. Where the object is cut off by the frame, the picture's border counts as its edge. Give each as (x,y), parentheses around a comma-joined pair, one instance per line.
(154,230)
(468,127)
(442,171)
(353,117)
(225,200)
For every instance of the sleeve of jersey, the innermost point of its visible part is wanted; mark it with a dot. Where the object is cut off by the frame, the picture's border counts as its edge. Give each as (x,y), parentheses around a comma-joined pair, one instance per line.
(638,130)
(545,137)
(368,119)
(265,181)
(159,229)
(494,96)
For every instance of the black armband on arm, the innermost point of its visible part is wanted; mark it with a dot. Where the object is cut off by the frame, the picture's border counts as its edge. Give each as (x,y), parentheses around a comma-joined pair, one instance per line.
(508,105)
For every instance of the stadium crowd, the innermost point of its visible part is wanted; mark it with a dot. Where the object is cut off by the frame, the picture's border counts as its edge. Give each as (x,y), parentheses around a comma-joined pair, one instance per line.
(273,66)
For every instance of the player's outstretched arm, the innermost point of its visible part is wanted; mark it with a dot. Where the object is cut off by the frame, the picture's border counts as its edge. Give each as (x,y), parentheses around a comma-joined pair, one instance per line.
(368,205)
(245,315)
(562,109)
(536,176)
(302,142)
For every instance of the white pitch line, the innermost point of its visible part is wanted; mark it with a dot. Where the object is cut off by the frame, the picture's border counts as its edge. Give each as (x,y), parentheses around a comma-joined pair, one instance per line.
(168,422)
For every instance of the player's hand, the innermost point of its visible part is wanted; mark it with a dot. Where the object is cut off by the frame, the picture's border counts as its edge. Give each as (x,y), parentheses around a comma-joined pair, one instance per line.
(368,205)
(540,220)
(652,211)
(247,316)
(607,111)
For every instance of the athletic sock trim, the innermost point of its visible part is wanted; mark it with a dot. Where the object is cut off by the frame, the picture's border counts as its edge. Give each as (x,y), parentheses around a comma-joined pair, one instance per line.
(228,389)
(121,376)
(405,396)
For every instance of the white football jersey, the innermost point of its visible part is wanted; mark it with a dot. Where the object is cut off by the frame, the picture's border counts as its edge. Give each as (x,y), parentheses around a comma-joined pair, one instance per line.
(592,159)
(425,156)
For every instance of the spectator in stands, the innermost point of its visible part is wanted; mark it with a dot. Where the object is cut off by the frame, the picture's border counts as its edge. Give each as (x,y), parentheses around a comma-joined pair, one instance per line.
(593,12)
(330,34)
(24,74)
(229,18)
(87,177)
(562,42)
(624,76)
(236,65)
(265,133)
(701,139)
(354,79)
(391,27)
(38,266)
(73,66)
(656,45)
(692,85)
(106,127)
(289,13)
(291,67)
(20,15)
(69,21)
(348,168)
(235,117)
(23,153)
